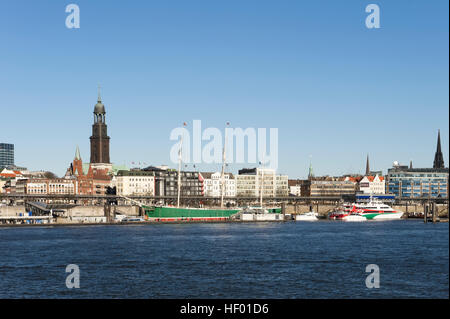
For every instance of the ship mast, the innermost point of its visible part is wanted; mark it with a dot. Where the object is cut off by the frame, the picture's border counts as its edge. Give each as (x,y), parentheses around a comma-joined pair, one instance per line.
(222,176)
(180,151)
(262,183)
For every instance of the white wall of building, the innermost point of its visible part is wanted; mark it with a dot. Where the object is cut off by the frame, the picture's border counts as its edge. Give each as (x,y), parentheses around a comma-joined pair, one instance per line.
(212,187)
(376,185)
(266,179)
(135,185)
(295,190)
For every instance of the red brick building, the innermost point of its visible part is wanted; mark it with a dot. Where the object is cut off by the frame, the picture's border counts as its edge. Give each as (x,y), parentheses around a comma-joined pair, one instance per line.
(90,180)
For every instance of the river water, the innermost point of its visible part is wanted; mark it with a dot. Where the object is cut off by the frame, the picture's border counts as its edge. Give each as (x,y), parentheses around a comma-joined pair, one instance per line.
(325,259)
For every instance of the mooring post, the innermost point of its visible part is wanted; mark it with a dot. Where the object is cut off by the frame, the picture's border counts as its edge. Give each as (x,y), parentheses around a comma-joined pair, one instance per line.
(434,213)
(283,210)
(425,213)
(107,212)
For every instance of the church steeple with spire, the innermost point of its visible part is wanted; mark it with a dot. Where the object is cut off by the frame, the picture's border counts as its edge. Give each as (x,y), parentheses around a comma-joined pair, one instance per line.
(99,138)
(438,157)
(77,153)
(310,172)
(367,166)
(77,164)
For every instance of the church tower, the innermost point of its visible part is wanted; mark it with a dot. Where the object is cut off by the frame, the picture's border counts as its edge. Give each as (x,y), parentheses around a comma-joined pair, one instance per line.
(99,138)
(310,172)
(77,164)
(438,157)
(367,166)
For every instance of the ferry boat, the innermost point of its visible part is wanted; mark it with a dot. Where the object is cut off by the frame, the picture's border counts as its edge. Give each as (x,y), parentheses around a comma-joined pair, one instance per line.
(374,209)
(377,210)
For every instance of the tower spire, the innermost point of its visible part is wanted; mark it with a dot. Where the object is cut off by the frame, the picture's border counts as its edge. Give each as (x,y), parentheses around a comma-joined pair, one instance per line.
(438,157)
(77,153)
(99,97)
(367,166)
(310,172)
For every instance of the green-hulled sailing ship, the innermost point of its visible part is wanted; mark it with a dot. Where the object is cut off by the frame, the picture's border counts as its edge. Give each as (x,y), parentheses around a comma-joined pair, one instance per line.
(170,213)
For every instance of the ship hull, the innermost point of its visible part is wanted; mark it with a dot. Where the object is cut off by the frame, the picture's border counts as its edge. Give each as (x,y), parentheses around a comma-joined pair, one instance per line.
(306,217)
(164,213)
(382,215)
(388,216)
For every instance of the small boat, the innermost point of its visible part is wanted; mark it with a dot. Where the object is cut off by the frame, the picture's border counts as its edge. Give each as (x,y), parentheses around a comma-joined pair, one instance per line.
(309,216)
(132,219)
(261,214)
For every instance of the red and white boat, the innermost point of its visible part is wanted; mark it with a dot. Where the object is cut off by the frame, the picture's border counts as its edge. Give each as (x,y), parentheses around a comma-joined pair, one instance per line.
(377,210)
(341,211)
(374,209)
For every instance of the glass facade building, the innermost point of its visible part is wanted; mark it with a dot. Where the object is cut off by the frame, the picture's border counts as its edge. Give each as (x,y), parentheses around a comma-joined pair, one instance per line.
(6,155)
(418,182)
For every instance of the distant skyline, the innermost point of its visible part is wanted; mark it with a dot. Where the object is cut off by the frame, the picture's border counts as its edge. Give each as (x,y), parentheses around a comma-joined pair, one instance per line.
(335,90)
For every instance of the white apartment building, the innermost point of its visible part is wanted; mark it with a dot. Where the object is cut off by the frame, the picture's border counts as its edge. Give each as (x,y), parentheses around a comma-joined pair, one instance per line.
(373,185)
(212,186)
(250,183)
(36,187)
(134,183)
(50,186)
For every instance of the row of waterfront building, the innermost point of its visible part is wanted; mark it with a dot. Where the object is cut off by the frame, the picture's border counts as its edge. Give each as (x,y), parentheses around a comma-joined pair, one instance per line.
(100,176)
(401,181)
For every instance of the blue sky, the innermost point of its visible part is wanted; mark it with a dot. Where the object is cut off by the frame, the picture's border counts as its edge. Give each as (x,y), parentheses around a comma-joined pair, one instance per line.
(334,89)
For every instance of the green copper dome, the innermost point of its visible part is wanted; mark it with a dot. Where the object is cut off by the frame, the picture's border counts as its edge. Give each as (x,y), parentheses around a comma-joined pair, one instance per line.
(99,107)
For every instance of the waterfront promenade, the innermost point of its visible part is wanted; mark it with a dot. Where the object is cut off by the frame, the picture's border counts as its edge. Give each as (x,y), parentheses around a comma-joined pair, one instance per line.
(104,209)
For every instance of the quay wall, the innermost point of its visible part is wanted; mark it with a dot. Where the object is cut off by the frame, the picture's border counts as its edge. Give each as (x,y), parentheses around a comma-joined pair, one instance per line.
(127,210)
(300,209)
(12,210)
(98,211)
(441,208)
(77,211)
